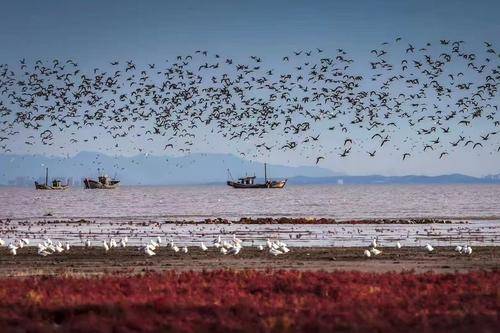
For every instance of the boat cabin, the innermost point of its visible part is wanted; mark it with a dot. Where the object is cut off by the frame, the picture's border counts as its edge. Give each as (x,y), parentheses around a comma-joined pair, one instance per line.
(247,180)
(56,183)
(104,180)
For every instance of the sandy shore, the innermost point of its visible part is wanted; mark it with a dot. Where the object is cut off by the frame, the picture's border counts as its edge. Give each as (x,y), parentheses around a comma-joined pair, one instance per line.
(95,261)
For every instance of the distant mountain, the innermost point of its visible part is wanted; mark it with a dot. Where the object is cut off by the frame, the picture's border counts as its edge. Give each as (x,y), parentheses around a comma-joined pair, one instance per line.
(376,179)
(22,170)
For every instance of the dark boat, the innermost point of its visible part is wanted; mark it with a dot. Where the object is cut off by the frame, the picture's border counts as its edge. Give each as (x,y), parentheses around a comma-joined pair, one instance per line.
(249,182)
(103,183)
(56,184)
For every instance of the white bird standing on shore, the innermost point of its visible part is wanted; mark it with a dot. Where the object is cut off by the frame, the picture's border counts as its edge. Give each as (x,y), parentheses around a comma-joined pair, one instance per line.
(268,243)
(2,242)
(234,250)
(398,245)
(203,247)
(185,249)
(13,249)
(275,252)
(149,251)
(375,251)
(154,244)
(59,247)
(87,243)
(429,247)
(367,253)
(105,245)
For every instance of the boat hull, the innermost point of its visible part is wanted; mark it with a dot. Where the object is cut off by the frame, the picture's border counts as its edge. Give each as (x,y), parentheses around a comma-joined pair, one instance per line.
(95,185)
(270,184)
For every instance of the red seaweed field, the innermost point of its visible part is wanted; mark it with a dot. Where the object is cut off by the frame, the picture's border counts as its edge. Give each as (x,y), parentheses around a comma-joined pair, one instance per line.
(253,301)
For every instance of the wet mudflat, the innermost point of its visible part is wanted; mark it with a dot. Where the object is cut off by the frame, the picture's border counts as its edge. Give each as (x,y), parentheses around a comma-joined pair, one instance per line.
(129,260)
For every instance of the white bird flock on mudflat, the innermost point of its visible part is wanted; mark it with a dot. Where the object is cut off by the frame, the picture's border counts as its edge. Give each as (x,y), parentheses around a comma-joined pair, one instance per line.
(466,249)
(232,246)
(373,251)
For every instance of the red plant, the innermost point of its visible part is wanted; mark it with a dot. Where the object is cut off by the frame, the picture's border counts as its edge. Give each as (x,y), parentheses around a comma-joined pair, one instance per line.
(253,301)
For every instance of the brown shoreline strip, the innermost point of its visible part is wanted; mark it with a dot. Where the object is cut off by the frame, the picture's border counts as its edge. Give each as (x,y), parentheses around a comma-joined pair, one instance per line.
(250,220)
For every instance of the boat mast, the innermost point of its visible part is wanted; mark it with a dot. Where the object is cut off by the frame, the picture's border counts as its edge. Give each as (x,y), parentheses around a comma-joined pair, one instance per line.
(265,172)
(46,176)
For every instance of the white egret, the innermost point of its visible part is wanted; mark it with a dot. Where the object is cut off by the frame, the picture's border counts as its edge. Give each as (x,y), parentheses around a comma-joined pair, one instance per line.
(149,251)
(105,245)
(275,252)
(12,249)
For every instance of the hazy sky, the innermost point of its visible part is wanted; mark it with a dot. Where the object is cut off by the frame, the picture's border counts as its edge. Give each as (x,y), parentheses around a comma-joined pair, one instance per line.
(95,32)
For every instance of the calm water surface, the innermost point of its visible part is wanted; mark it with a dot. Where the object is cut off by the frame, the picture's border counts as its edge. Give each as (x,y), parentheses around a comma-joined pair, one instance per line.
(200,202)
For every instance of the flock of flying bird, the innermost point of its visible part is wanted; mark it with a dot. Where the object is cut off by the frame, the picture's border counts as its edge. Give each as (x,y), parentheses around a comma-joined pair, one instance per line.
(436,98)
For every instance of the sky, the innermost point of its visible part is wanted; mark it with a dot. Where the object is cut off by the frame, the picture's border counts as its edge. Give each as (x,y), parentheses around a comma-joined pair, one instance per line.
(95,32)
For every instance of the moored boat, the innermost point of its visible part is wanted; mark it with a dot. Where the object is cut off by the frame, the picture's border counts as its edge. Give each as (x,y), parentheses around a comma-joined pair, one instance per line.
(249,182)
(56,184)
(103,183)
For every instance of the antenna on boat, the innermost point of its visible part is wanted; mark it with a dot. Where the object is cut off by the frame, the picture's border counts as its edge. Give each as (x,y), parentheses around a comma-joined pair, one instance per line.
(230,175)
(46,176)
(265,172)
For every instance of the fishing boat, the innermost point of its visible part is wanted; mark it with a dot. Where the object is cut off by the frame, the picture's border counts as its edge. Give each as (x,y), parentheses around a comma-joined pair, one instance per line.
(249,182)
(56,184)
(103,183)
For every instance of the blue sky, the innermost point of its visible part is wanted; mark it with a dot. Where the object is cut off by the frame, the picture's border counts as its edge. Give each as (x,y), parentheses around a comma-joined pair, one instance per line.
(95,32)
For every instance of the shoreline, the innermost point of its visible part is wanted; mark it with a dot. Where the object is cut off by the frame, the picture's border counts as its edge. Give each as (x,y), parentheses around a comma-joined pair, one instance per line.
(251,220)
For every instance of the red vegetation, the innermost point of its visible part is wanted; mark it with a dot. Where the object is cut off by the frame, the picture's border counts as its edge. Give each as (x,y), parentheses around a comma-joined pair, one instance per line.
(252,301)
